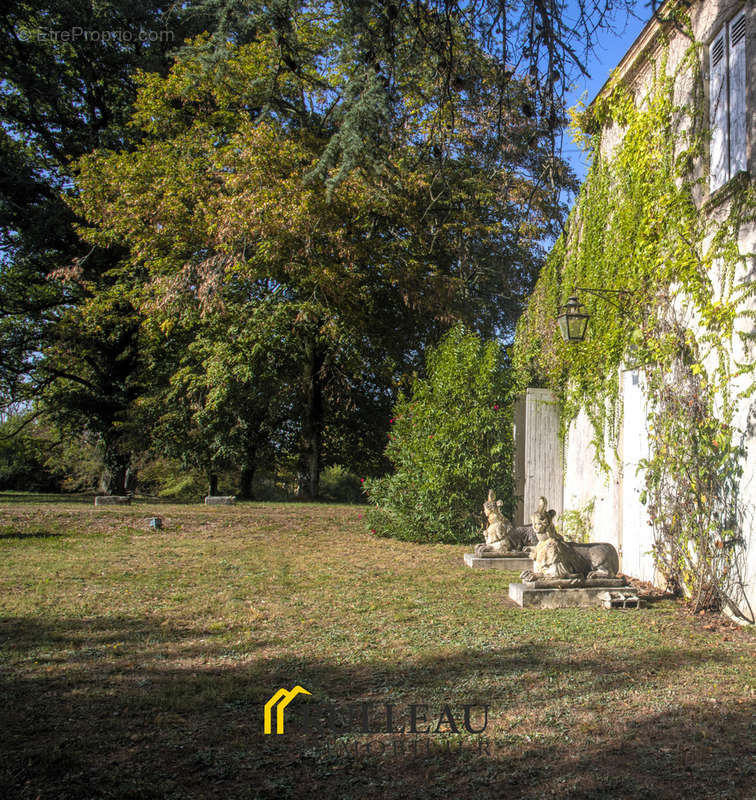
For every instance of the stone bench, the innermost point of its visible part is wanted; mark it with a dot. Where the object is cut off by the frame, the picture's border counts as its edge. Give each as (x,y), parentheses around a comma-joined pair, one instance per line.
(220,500)
(112,500)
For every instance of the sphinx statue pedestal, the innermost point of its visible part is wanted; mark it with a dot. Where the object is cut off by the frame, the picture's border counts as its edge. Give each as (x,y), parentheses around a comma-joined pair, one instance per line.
(514,562)
(569,574)
(505,545)
(591,595)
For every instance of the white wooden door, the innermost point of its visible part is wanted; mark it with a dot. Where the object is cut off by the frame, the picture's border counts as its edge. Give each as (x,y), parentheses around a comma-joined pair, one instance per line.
(538,453)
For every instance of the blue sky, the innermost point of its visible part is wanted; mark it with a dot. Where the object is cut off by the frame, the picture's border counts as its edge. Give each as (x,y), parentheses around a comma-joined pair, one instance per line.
(608,53)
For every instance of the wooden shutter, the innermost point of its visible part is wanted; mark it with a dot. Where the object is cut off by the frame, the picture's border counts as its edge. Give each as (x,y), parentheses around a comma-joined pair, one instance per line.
(737,94)
(719,172)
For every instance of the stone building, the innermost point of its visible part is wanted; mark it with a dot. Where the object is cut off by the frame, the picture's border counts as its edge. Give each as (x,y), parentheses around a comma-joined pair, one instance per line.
(724,90)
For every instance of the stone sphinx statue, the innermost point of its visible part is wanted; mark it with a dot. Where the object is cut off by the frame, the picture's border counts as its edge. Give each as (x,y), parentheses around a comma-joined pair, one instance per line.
(502,538)
(561,564)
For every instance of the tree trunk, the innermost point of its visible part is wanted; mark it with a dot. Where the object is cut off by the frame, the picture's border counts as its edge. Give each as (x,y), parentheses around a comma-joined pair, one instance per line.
(213,484)
(130,480)
(312,423)
(245,481)
(116,470)
(254,438)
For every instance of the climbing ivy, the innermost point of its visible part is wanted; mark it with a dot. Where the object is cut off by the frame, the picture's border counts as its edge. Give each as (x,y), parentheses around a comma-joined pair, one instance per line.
(575,524)
(639,226)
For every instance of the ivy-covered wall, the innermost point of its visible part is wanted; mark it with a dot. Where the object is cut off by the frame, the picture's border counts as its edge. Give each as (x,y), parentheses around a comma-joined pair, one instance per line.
(644,222)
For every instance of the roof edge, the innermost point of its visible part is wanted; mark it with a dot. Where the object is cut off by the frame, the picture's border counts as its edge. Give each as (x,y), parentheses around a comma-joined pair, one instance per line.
(642,43)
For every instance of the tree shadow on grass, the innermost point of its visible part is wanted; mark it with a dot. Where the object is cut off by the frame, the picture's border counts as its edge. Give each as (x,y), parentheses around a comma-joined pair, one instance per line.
(179,712)
(78,641)
(39,534)
(691,751)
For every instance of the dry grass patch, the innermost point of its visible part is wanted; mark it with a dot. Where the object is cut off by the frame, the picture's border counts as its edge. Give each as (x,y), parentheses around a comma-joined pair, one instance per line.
(135,663)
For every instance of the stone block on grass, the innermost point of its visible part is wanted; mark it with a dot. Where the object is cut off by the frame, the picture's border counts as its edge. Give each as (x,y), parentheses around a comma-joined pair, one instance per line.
(112,500)
(220,500)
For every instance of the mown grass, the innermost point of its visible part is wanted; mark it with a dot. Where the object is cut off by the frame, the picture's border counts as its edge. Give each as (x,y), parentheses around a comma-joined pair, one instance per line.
(136,664)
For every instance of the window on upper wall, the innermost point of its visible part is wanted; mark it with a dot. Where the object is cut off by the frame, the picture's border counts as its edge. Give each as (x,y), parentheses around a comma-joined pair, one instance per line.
(727,102)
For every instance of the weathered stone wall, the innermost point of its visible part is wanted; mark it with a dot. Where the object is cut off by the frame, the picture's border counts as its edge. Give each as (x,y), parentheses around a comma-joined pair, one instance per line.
(619,517)
(585,483)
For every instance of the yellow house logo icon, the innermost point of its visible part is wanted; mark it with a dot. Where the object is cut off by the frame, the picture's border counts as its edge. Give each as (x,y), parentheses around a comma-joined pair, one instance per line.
(283,698)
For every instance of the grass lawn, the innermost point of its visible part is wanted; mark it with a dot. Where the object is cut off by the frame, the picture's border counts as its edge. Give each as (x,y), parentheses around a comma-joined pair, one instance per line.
(136,664)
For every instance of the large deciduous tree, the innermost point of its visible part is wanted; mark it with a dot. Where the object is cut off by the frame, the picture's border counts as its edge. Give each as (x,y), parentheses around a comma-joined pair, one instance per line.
(222,196)
(541,45)
(66,88)
(432,124)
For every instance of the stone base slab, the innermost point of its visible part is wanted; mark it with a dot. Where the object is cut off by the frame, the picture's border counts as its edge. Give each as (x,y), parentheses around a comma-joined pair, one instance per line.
(112,500)
(220,500)
(511,563)
(621,598)
(579,597)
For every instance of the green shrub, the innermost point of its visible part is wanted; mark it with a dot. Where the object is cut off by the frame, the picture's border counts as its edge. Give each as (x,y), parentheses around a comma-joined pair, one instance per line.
(449,443)
(77,461)
(24,451)
(339,485)
(160,476)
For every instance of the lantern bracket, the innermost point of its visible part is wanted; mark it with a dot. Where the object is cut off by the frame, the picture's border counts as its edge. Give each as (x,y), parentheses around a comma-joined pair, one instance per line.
(620,294)
(573,318)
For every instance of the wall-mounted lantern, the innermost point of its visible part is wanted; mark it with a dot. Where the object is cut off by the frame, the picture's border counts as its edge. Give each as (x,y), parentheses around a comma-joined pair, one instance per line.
(573,321)
(573,318)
